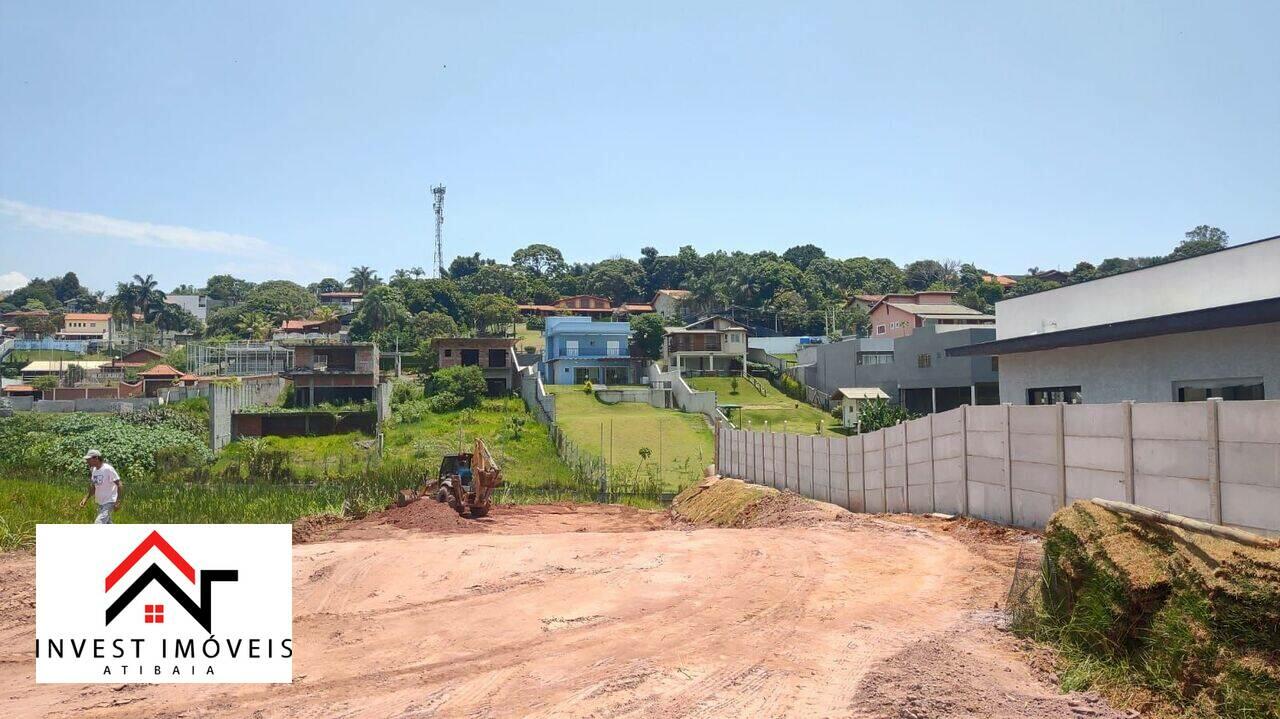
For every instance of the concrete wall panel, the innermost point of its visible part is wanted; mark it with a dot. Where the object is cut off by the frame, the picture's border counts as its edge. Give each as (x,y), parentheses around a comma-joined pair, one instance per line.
(1174,459)
(1035,448)
(987,444)
(1250,463)
(1188,497)
(986,418)
(1094,420)
(1250,421)
(1106,453)
(1033,509)
(1170,420)
(1251,506)
(1033,419)
(1084,483)
(985,470)
(1036,477)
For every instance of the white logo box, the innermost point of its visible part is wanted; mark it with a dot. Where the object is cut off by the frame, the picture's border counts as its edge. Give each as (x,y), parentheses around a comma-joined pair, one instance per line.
(249,639)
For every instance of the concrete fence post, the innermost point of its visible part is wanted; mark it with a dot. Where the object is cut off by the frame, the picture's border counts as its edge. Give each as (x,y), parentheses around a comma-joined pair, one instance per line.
(906,471)
(964,461)
(1062,454)
(715,450)
(1215,461)
(1126,428)
(884,468)
(1008,455)
(848,493)
(933,471)
(862,468)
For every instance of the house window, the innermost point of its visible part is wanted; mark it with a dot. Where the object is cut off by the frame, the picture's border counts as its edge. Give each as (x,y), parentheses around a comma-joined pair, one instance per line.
(923,361)
(470,357)
(995,363)
(1053,395)
(872,358)
(1229,389)
(571,348)
(448,353)
(497,358)
(879,329)
(613,348)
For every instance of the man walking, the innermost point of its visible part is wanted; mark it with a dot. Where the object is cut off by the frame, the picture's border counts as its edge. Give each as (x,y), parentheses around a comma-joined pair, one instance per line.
(104,486)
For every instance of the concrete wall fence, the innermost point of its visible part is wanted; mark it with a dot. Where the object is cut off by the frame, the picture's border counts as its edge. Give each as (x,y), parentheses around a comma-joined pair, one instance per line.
(1215,461)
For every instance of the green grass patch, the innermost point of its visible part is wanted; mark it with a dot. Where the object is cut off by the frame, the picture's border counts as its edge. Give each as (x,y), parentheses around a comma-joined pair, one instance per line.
(770,408)
(679,444)
(528,338)
(1167,621)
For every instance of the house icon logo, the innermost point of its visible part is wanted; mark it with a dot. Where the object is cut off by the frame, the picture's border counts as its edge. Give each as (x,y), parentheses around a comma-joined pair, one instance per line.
(201,611)
(184,603)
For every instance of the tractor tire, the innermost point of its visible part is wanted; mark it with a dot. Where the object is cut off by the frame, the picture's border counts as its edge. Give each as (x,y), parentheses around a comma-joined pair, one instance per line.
(478,512)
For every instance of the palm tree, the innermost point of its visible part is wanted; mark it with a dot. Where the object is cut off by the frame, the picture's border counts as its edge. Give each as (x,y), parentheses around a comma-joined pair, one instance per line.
(377,311)
(124,302)
(255,325)
(362,278)
(324,313)
(418,272)
(146,297)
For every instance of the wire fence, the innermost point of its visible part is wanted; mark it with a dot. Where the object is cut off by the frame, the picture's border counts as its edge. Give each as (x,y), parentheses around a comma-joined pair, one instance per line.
(1030,575)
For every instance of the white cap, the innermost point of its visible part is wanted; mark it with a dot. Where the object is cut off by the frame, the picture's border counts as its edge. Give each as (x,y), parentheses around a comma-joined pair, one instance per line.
(93,454)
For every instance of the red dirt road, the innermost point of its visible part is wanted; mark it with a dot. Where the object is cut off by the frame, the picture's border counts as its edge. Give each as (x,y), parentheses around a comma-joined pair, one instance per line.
(553,612)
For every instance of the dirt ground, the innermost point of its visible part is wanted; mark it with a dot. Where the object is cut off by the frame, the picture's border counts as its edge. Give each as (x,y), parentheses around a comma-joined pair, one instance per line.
(600,611)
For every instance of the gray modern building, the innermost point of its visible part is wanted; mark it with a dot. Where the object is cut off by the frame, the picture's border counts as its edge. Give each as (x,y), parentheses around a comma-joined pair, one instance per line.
(914,370)
(1188,330)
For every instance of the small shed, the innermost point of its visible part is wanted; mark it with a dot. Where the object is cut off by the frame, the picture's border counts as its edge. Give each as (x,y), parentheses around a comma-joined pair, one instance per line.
(851,399)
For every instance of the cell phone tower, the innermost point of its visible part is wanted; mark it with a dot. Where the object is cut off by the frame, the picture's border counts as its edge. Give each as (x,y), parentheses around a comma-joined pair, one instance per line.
(438,206)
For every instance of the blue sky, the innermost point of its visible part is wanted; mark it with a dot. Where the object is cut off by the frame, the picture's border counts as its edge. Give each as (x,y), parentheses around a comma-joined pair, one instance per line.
(299,139)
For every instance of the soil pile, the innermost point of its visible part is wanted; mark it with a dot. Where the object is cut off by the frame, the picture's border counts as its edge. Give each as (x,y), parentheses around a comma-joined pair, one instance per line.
(425,515)
(733,503)
(1188,617)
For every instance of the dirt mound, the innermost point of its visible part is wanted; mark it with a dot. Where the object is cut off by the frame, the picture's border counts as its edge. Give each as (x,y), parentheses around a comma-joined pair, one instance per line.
(315,527)
(733,503)
(424,515)
(1187,615)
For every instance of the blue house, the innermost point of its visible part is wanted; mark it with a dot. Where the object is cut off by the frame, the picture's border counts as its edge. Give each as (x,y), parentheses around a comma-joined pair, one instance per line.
(578,349)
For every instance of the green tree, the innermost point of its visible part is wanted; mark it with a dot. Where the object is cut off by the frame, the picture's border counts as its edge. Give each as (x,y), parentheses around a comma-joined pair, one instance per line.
(383,307)
(362,279)
(647,333)
(538,260)
(227,288)
(328,284)
(254,326)
(464,265)
(491,313)
(465,383)
(878,414)
(1200,240)
(803,255)
(616,278)
(428,325)
(281,300)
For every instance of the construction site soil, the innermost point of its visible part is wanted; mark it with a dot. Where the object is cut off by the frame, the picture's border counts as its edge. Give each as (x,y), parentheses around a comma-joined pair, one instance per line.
(608,611)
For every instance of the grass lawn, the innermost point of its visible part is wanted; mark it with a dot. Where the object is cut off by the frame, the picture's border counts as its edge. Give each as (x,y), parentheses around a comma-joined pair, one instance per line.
(528,338)
(788,356)
(780,411)
(680,443)
(421,437)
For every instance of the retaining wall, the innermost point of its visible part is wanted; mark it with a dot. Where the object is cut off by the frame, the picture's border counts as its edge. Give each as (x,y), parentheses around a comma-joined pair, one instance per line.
(1216,461)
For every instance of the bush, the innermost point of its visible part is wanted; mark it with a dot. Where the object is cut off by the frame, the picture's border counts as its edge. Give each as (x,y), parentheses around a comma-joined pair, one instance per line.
(878,414)
(466,384)
(444,402)
(402,392)
(536,323)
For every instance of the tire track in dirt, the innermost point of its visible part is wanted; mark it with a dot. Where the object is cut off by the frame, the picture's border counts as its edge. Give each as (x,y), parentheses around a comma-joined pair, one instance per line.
(813,621)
